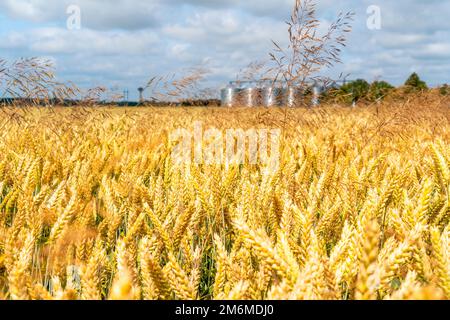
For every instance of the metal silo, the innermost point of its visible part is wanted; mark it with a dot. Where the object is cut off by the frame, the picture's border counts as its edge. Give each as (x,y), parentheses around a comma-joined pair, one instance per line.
(239,97)
(230,95)
(292,96)
(258,97)
(227,96)
(268,97)
(316,95)
(248,97)
(272,96)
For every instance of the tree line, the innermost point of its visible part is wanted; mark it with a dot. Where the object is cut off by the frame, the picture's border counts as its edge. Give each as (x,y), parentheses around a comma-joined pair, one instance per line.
(361,90)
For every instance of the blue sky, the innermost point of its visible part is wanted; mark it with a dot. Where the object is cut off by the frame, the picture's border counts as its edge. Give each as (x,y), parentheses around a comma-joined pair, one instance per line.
(123,43)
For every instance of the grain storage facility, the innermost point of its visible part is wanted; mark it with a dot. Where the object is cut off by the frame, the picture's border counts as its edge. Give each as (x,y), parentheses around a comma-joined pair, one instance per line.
(266,94)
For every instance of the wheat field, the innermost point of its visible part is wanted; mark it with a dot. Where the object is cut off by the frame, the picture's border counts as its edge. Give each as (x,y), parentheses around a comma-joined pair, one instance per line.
(91,206)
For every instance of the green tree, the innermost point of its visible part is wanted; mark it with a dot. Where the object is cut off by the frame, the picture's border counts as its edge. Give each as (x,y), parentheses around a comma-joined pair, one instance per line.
(379,90)
(445,90)
(354,91)
(414,83)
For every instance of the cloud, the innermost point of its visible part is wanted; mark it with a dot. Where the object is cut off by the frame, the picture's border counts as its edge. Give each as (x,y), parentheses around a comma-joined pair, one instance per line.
(125,42)
(100,14)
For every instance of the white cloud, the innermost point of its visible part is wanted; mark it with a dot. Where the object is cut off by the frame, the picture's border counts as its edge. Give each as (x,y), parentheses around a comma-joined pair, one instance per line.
(63,41)
(127,41)
(96,14)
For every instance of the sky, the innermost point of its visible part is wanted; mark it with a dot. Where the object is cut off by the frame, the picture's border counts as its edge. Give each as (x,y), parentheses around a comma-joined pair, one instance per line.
(122,44)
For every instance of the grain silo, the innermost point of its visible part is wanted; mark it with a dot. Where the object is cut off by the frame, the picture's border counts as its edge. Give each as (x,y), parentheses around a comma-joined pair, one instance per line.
(272,96)
(267,94)
(292,97)
(227,96)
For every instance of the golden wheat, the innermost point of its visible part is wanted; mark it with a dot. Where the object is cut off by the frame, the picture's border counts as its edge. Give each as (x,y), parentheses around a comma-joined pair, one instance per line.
(91,206)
